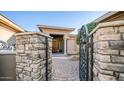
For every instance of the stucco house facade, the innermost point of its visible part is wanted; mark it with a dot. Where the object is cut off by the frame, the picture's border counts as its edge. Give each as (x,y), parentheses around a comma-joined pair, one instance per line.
(63,41)
(8,29)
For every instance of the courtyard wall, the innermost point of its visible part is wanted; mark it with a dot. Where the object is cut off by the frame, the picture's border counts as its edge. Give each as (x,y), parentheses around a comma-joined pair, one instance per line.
(108,51)
(33,56)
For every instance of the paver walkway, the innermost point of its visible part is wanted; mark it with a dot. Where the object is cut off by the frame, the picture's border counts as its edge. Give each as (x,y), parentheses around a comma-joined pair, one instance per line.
(64,69)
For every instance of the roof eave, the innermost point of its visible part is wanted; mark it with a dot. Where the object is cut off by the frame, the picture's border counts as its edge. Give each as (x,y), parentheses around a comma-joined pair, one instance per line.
(8,22)
(103,17)
(55,27)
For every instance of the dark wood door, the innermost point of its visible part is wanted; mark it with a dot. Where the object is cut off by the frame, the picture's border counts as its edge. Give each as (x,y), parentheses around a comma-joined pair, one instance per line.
(55,46)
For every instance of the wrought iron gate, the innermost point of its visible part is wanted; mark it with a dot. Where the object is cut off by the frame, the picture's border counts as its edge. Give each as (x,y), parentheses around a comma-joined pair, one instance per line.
(86,55)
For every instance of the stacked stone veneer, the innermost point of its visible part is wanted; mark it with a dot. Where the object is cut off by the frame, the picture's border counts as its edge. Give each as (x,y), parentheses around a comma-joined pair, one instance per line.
(108,56)
(31,56)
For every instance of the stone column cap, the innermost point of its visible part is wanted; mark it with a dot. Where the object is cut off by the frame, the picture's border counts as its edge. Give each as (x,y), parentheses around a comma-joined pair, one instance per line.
(33,33)
(108,24)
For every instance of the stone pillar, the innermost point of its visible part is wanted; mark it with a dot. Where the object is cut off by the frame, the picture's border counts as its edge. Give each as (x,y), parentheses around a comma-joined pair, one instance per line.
(31,56)
(65,46)
(108,56)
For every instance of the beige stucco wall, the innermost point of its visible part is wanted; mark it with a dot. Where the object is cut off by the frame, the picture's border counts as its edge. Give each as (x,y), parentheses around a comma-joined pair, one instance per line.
(56,31)
(5,33)
(72,47)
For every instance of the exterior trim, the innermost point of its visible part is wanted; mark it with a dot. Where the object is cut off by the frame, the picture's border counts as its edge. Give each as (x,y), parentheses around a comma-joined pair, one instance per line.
(6,21)
(54,27)
(105,16)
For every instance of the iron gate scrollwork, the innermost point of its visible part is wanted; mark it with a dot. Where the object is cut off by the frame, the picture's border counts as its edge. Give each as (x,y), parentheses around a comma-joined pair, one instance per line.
(86,55)
(83,64)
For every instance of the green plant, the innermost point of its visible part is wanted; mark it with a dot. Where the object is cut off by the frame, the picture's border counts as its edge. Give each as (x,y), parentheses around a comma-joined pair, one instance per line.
(78,38)
(90,27)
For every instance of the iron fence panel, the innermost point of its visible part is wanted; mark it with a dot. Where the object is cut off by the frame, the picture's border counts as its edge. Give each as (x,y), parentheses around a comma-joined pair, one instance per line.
(86,56)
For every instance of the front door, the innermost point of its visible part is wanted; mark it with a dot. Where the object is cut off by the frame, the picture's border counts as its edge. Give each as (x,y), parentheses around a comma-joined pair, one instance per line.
(55,46)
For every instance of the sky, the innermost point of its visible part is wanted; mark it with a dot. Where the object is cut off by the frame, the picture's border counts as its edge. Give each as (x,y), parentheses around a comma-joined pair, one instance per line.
(29,20)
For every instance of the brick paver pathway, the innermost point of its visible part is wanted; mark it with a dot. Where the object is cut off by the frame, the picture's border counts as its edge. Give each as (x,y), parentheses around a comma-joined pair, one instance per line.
(64,69)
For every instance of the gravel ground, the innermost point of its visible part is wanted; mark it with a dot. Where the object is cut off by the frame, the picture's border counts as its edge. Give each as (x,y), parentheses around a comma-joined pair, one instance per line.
(65,69)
